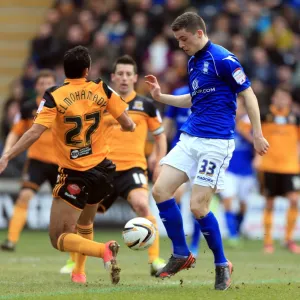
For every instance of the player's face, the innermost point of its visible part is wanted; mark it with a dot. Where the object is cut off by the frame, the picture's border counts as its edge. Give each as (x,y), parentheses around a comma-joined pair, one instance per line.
(281,99)
(189,42)
(43,84)
(124,78)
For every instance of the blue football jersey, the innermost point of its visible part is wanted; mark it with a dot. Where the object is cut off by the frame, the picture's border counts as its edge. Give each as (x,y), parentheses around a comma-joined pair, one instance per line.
(215,79)
(178,114)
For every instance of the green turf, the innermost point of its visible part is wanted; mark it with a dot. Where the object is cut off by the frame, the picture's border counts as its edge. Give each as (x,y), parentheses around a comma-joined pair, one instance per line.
(32,273)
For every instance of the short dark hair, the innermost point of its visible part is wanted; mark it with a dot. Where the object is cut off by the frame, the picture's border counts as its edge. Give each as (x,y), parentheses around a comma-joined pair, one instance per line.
(125,60)
(189,21)
(76,60)
(45,73)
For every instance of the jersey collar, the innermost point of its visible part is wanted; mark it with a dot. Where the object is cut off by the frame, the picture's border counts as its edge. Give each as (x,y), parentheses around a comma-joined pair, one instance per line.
(75,80)
(130,97)
(203,50)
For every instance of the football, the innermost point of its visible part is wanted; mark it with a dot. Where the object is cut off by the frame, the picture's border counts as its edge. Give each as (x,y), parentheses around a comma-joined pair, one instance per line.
(139,234)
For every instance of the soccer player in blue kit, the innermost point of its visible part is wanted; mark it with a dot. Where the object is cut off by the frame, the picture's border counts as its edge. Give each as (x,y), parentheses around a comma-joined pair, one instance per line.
(177,116)
(206,143)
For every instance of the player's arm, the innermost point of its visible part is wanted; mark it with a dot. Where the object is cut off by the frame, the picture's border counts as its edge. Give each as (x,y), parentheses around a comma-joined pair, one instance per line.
(261,145)
(46,113)
(19,128)
(28,138)
(126,122)
(116,106)
(11,139)
(178,101)
(231,71)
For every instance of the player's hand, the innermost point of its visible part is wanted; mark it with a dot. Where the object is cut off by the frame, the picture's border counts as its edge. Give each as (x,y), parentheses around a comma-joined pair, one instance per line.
(153,85)
(125,130)
(261,145)
(3,163)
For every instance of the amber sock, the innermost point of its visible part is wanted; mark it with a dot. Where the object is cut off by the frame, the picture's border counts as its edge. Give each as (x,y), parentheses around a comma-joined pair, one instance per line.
(17,222)
(291,220)
(153,251)
(80,259)
(71,242)
(268,223)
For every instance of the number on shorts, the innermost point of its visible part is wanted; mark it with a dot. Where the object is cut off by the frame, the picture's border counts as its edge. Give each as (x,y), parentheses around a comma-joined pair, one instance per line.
(207,167)
(139,178)
(76,130)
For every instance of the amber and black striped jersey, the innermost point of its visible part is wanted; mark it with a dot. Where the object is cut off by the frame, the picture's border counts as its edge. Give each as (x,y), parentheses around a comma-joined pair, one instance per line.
(282,131)
(42,149)
(74,111)
(127,149)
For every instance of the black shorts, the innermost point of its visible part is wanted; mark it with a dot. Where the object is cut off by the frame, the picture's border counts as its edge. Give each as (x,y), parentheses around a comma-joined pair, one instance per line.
(79,188)
(276,184)
(36,172)
(124,182)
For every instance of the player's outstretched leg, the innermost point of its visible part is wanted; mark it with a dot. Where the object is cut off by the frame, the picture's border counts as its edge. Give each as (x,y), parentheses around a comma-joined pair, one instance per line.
(201,197)
(167,183)
(63,221)
(138,198)
(18,219)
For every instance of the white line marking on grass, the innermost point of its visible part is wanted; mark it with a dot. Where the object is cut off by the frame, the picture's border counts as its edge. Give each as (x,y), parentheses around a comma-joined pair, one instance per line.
(142,288)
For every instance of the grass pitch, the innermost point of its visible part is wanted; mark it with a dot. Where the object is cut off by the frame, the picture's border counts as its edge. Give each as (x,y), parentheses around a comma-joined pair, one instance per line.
(32,272)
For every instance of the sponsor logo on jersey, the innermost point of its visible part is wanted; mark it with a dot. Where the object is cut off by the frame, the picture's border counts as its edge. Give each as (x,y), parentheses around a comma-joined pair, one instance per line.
(205,67)
(195,84)
(77,153)
(138,105)
(205,179)
(204,91)
(239,76)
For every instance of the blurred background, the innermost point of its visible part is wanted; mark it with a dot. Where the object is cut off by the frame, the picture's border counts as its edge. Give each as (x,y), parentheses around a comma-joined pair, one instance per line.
(264,35)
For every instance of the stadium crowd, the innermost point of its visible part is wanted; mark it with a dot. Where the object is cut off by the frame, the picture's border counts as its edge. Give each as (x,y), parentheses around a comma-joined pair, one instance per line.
(264,35)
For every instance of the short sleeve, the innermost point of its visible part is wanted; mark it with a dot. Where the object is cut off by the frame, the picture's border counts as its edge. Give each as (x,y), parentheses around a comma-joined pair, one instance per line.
(47,111)
(116,105)
(154,119)
(233,73)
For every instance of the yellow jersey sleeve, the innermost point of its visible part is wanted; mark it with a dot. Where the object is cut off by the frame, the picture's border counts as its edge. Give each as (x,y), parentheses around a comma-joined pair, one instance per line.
(154,120)
(47,111)
(115,104)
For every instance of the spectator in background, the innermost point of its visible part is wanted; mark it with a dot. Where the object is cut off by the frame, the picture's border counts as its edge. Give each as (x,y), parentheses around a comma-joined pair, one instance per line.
(11,108)
(10,115)
(45,40)
(261,68)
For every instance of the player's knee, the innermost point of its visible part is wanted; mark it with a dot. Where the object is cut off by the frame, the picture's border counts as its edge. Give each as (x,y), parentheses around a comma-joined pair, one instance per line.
(200,205)
(24,197)
(54,239)
(141,209)
(199,211)
(160,193)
